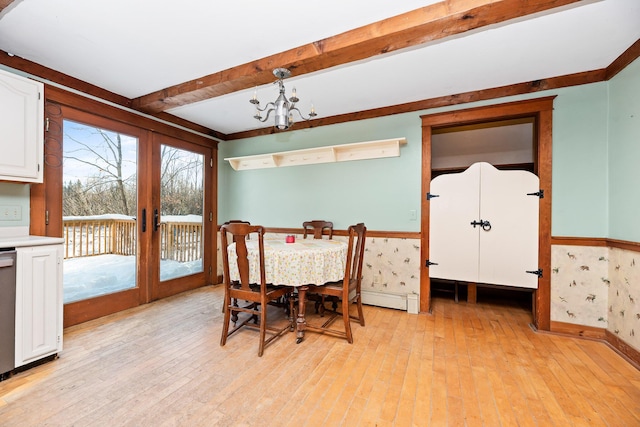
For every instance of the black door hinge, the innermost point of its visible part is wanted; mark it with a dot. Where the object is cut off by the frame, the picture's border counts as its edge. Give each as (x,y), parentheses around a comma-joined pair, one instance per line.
(537,272)
(540,194)
(429,263)
(431,196)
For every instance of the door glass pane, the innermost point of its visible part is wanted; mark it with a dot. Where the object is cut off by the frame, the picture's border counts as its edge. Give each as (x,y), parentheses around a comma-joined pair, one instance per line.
(181,212)
(99,198)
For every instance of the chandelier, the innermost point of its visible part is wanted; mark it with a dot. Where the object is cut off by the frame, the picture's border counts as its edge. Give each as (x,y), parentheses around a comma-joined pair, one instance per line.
(283,109)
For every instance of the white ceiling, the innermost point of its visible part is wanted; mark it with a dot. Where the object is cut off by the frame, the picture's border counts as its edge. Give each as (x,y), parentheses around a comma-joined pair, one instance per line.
(133,48)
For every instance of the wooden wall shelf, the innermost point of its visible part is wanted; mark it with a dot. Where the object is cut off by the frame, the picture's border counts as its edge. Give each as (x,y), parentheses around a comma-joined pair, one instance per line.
(328,154)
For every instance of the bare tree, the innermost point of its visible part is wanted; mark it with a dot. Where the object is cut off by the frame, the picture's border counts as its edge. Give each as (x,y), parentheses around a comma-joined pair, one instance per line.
(108,190)
(107,159)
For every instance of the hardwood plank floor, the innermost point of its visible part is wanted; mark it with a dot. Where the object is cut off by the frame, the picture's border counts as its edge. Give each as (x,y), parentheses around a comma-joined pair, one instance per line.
(464,365)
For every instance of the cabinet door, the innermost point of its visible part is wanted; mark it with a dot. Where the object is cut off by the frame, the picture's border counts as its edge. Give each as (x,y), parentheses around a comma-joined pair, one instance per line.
(21,128)
(501,254)
(38,302)
(510,248)
(453,242)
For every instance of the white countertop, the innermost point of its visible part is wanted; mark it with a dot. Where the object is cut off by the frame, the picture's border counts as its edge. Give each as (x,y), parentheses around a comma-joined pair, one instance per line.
(21,241)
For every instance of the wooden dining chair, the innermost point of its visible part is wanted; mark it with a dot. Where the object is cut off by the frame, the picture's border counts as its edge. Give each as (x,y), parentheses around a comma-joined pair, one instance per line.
(257,295)
(234,221)
(351,284)
(317,226)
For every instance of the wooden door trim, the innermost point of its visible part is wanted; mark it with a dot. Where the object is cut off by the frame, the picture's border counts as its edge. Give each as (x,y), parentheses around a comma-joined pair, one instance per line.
(542,110)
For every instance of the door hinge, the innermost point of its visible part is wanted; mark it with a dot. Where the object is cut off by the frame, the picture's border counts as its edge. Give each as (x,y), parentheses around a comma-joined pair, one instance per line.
(210,216)
(46,217)
(429,263)
(210,271)
(211,162)
(539,193)
(46,124)
(431,196)
(537,272)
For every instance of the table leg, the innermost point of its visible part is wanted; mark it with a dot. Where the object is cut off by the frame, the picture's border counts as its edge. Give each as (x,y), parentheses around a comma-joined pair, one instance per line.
(300,322)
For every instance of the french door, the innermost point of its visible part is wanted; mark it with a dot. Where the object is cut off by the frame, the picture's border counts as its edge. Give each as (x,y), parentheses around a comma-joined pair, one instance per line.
(178,216)
(136,210)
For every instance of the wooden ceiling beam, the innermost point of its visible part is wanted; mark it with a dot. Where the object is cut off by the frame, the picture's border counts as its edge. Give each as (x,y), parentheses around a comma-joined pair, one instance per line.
(437,21)
(5,4)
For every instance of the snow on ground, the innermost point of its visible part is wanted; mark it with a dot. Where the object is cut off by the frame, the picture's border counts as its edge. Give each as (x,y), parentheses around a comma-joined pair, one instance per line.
(88,277)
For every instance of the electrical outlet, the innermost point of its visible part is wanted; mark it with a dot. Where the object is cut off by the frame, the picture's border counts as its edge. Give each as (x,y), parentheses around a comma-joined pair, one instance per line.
(413,215)
(10,213)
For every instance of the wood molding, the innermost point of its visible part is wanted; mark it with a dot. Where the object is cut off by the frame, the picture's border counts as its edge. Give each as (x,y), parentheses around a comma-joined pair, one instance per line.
(625,350)
(621,62)
(622,244)
(93,308)
(5,3)
(430,23)
(579,241)
(83,103)
(562,328)
(91,90)
(596,242)
(632,53)
(62,79)
(442,101)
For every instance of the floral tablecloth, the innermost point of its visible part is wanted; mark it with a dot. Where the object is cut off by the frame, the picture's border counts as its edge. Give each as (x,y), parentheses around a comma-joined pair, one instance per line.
(309,261)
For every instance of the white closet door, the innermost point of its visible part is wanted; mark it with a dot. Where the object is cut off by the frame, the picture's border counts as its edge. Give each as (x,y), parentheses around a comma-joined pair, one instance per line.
(453,242)
(510,248)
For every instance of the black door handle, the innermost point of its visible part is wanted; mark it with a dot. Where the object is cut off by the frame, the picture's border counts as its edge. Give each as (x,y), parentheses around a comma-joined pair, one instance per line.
(156,220)
(486,225)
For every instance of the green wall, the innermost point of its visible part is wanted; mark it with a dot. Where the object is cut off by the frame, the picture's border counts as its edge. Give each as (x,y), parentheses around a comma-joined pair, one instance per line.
(387,189)
(624,154)
(380,192)
(580,191)
(15,194)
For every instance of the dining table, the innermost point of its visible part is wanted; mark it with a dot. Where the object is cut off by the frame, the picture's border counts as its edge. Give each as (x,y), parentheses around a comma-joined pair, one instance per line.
(299,264)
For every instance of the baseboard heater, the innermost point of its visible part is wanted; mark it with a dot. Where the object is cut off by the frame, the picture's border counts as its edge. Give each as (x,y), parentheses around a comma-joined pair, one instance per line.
(391,300)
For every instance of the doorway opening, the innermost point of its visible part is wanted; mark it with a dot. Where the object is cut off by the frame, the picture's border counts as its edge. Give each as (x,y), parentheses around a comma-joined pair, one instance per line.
(531,119)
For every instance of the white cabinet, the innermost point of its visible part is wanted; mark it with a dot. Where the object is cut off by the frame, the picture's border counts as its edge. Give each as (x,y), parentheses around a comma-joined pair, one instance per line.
(21,128)
(483,226)
(38,302)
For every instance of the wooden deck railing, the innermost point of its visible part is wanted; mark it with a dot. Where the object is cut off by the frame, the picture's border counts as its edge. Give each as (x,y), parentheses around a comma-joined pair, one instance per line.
(180,241)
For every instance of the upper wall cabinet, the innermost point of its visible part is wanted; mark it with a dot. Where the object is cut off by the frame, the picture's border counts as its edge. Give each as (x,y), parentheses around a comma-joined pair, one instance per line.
(21,128)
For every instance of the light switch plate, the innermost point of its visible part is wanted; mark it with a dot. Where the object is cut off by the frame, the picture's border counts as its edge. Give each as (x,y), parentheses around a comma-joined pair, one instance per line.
(10,213)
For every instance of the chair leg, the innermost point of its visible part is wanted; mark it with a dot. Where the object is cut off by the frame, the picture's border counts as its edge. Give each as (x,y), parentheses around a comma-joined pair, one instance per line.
(263,328)
(227,318)
(359,304)
(234,314)
(347,320)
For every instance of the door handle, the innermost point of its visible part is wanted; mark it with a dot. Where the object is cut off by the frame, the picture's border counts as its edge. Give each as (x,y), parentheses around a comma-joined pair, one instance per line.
(144,219)
(485,225)
(156,220)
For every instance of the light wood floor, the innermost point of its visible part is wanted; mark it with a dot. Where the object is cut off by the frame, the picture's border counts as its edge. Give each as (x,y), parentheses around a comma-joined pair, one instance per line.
(475,365)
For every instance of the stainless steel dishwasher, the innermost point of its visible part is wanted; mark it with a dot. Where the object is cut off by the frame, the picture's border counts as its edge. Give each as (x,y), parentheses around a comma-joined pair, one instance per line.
(7,310)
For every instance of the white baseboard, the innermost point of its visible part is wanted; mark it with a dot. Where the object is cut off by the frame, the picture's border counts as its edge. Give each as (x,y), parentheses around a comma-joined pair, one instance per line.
(384,299)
